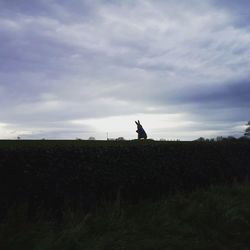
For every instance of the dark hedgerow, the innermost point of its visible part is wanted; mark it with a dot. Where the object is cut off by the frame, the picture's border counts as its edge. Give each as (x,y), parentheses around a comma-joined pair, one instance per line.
(82,174)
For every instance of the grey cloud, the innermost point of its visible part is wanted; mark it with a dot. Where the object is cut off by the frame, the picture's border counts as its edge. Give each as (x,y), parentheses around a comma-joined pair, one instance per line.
(64,11)
(32,50)
(238,10)
(22,7)
(236,95)
(67,60)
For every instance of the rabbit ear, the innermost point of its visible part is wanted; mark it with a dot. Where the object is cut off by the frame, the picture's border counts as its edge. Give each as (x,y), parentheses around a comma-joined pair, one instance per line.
(136,122)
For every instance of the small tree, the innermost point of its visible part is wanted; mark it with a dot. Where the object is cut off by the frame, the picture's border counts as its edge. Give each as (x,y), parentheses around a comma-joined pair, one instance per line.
(120,139)
(247,131)
(200,139)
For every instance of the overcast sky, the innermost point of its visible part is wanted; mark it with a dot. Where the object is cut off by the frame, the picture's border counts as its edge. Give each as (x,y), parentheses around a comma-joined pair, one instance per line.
(83,68)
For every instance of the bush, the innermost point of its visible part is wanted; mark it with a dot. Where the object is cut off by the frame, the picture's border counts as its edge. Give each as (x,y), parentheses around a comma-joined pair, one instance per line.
(84,173)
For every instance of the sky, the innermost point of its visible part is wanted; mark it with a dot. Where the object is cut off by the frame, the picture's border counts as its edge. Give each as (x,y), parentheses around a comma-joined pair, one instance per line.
(81,68)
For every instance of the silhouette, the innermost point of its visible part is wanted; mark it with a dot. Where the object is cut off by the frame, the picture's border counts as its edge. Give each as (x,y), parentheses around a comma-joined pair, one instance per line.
(141,132)
(247,131)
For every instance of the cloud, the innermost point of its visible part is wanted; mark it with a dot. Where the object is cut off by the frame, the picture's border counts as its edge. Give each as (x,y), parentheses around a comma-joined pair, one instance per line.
(238,11)
(88,60)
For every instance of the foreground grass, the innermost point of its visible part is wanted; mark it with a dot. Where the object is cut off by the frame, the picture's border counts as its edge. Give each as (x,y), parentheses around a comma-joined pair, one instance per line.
(217,218)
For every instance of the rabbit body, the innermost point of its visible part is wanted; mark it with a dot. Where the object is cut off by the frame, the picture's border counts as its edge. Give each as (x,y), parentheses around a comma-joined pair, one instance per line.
(141,132)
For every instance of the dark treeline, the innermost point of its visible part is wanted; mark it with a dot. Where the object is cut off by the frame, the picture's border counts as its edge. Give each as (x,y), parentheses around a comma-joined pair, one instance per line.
(83,174)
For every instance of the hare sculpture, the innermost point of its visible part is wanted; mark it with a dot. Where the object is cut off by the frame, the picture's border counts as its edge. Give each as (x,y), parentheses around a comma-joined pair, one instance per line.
(141,132)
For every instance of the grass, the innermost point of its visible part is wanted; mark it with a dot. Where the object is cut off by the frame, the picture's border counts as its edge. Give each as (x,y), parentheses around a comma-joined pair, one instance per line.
(216,218)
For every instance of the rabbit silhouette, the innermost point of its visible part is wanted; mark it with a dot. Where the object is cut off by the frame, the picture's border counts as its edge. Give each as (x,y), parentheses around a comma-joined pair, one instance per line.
(141,132)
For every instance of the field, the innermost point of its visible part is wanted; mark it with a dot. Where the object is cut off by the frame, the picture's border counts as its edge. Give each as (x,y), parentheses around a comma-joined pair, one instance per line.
(45,183)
